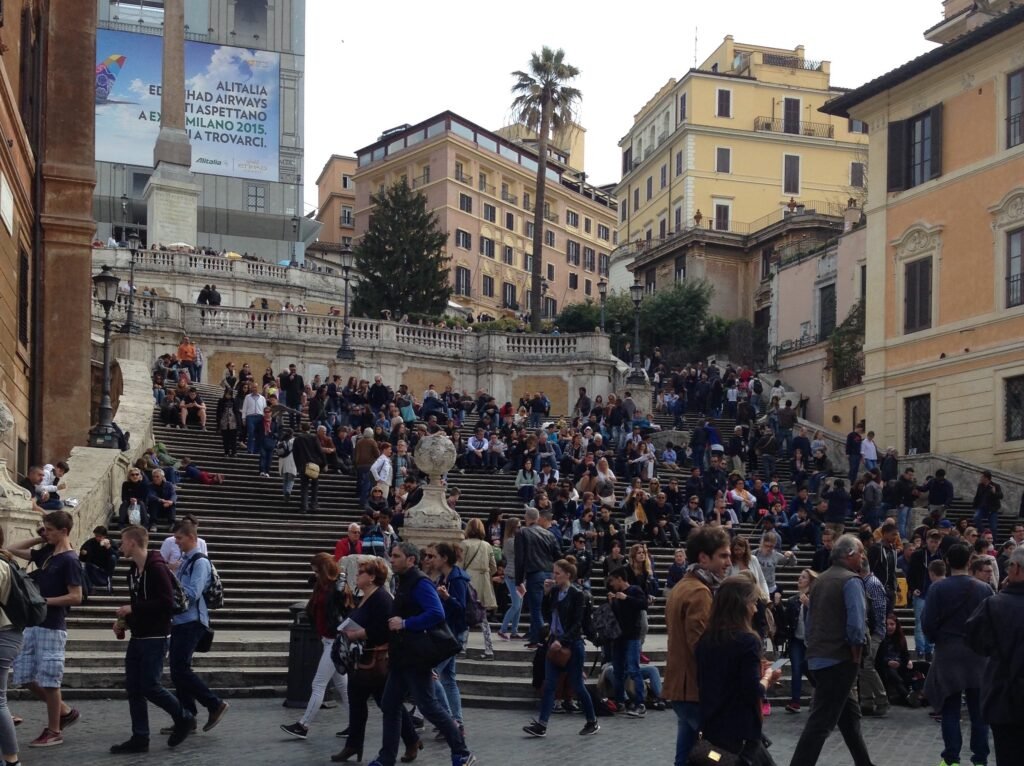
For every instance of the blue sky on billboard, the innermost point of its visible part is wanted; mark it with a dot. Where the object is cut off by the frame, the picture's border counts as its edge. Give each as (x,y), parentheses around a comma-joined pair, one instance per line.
(232,110)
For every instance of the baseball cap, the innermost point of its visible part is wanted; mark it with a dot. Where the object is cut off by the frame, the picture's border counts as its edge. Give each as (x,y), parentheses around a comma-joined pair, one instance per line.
(946,524)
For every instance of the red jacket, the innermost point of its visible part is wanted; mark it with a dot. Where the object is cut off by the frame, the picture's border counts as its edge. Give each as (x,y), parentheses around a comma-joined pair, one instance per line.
(345,546)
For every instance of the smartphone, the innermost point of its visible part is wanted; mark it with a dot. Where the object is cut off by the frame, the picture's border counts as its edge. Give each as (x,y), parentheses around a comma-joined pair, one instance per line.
(780,664)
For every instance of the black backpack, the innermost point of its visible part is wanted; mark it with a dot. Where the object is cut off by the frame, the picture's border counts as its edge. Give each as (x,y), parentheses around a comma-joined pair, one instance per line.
(213,593)
(25,606)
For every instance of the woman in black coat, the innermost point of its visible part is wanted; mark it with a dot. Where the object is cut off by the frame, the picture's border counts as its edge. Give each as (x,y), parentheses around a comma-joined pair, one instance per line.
(563,608)
(731,675)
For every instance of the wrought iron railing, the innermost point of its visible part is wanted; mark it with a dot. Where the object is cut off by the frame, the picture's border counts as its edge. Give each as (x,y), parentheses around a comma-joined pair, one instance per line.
(790,62)
(1014,293)
(794,127)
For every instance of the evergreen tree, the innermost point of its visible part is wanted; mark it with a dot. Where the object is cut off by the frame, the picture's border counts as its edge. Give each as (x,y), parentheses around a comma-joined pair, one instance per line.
(400,261)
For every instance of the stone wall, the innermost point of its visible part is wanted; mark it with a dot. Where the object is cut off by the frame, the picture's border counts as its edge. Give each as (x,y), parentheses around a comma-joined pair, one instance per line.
(96,474)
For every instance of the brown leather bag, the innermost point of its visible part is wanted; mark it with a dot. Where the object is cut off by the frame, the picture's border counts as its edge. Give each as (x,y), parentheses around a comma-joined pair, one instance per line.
(559,656)
(373,665)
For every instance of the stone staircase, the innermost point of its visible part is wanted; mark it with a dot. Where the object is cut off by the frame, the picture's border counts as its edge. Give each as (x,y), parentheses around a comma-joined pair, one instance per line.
(262,548)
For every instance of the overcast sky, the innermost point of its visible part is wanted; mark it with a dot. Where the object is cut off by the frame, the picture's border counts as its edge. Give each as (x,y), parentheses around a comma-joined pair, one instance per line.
(373,65)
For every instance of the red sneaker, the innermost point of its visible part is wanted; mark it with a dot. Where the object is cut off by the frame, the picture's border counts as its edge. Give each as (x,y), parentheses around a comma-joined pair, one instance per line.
(47,739)
(793,707)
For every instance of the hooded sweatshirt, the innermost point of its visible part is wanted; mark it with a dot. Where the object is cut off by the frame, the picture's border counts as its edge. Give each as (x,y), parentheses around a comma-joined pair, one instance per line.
(152,598)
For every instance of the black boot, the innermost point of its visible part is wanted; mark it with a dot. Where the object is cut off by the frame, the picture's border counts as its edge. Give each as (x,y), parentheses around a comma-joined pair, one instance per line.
(133,745)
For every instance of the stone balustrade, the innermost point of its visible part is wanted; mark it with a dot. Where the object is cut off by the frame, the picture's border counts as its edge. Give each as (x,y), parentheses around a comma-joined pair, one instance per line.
(183,275)
(172,316)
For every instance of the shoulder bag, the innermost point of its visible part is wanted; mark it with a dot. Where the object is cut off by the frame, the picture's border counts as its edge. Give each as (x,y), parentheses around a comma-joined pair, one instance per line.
(312,471)
(423,649)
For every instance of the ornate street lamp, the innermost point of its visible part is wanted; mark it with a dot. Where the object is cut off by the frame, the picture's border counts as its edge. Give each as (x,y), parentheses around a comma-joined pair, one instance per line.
(129,327)
(602,290)
(345,352)
(636,292)
(102,434)
(124,218)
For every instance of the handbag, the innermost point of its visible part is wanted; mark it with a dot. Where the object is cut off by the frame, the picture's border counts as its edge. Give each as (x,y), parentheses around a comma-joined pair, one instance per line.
(371,669)
(558,656)
(706,754)
(424,648)
(205,642)
(312,471)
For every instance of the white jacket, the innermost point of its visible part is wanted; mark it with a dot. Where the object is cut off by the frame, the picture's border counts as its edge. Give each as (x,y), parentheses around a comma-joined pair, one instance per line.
(381,470)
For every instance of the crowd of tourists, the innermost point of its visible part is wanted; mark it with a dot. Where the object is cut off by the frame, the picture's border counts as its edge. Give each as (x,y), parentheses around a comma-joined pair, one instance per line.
(600,488)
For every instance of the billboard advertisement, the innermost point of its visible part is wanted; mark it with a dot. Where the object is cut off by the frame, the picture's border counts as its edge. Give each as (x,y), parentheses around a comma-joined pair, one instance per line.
(232,104)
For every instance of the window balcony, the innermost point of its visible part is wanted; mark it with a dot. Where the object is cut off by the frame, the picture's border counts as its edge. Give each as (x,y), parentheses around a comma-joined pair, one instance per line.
(463,178)
(422,180)
(794,127)
(1014,294)
(486,188)
(549,216)
(511,199)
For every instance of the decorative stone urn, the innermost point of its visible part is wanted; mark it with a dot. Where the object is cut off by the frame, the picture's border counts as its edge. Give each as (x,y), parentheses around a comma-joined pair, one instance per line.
(17,519)
(432,520)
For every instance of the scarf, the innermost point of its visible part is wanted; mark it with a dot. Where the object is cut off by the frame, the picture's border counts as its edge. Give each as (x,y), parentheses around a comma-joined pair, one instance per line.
(704,576)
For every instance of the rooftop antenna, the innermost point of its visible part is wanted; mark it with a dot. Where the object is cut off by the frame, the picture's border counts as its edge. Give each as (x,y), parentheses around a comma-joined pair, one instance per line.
(695,30)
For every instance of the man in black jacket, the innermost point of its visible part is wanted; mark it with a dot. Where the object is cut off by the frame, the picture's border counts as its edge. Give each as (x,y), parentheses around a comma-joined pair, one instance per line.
(918,581)
(882,558)
(628,603)
(988,500)
(996,631)
(291,388)
(715,480)
(306,450)
(148,617)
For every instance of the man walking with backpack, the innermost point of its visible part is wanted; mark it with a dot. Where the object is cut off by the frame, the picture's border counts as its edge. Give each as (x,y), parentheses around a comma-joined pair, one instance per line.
(191,627)
(148,617)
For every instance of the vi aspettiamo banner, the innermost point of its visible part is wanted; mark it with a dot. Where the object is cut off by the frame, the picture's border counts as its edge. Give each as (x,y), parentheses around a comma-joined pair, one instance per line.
(232,104)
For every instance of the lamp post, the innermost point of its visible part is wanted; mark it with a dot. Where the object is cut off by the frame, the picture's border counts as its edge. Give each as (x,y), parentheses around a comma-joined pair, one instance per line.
(602,290)
(129,327)
(124,218)
(636,292)
(102,434)
(345,352)
(295,239)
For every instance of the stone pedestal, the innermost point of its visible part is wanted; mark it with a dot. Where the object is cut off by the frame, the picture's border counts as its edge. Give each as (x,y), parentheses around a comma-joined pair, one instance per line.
(172,205)
(17,519)
(432,520)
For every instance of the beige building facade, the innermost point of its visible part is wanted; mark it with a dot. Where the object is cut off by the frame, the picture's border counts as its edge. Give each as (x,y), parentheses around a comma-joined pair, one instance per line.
(944,334)
(480,185)
(734,141)
(336,200)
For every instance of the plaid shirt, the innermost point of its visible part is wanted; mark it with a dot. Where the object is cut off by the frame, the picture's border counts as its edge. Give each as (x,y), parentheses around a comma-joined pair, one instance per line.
(877,604)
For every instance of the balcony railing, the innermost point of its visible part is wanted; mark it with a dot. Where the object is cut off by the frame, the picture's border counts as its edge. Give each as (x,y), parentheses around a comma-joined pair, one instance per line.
(511,199)
(463,178)
(549,216)
(1014,130)
(790,62)
(486,188)
(422,180)
(1014,293)
(346,220)
(794,127)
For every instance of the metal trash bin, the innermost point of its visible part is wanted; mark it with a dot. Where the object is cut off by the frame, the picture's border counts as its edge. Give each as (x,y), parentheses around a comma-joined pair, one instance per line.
(304,652)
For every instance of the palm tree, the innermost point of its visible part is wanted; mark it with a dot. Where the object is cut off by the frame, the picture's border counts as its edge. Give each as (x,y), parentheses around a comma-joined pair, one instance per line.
(543,102)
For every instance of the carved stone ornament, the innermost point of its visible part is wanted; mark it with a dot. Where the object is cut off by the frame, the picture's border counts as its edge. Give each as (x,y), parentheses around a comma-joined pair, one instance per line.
(1010,209)
(8,488)
(6,420)
(918,239)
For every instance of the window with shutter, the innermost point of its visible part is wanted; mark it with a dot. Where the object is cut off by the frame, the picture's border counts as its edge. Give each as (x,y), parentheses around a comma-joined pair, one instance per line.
(897,158)
(724,103)
(917,295)
(791,174)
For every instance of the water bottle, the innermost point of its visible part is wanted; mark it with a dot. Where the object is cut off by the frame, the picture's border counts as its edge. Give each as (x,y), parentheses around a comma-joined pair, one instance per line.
(134,512)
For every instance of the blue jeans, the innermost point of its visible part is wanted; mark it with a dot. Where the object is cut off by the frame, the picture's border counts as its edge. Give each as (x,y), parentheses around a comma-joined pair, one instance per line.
(534,598)
(190,687)
(798,664)
(687,726)
(143,667)
(575,679)
(10,646)
(953,738)
(651,675)
(854,468)
(903,521)
(363,479)
(785,437)
(251,423)
(446,687)
(921,644)
(510,623)
(266,458)
(418,684)
(626,662)
(985,520)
